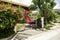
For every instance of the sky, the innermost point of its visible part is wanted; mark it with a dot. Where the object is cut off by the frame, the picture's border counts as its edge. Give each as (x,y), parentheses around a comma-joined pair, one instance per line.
(28,2)
(25,2)
(57,4)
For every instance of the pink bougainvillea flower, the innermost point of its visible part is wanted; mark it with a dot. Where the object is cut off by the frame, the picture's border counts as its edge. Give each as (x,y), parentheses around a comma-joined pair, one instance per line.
(26,11)
(1,8)
(28,19)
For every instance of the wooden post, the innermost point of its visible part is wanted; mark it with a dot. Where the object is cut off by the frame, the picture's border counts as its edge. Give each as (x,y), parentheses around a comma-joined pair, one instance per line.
(42,22)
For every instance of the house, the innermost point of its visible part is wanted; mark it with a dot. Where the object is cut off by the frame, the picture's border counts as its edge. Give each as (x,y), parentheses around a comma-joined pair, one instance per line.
(21,3)
(25,3)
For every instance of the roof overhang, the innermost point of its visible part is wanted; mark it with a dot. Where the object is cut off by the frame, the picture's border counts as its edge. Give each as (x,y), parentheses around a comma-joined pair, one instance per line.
(17,2)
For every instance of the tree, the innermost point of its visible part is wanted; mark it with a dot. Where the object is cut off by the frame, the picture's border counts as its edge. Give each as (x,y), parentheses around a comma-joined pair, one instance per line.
(45,8)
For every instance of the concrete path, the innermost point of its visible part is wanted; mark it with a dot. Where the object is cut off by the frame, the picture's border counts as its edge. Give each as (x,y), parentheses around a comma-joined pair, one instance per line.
(57,37)
(26,34)
(45,35)
(32,34)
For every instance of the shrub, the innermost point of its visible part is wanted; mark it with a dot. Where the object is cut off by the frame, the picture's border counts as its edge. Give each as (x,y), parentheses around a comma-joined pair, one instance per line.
(48,26)
(7,22)
(52,16)
(39,23)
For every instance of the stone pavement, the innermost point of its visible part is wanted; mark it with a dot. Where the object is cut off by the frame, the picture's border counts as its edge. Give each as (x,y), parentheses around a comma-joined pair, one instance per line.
(25,34)
(56,37)
(45,35)
(32,34)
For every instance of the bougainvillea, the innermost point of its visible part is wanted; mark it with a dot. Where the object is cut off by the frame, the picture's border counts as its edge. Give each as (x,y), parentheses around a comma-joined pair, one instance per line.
(26,11)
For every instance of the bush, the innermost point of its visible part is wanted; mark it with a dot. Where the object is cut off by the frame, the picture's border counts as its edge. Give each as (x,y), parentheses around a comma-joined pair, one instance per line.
(39,23)
(51,16)
(7,22)
(48,26)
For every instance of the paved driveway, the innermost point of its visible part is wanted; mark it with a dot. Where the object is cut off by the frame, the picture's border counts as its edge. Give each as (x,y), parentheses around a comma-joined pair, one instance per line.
(57,37)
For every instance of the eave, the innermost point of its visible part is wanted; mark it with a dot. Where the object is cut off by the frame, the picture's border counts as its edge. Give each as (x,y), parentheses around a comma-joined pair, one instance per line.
(14,3)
